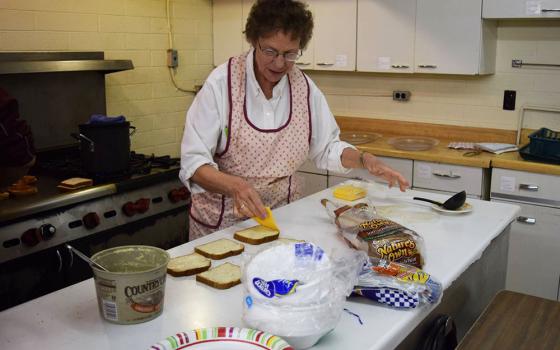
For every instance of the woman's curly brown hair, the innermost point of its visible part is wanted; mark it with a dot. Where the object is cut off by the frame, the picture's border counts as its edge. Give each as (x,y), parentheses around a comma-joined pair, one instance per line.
(268,17)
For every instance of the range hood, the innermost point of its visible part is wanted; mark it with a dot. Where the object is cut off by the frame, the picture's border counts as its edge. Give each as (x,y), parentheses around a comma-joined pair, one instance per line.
(52,62)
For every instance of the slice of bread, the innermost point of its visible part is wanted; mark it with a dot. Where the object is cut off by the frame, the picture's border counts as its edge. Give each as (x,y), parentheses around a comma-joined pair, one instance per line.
(187,265)
(221,277)
(256,235)
(76,182)
(286,240)
(220,249)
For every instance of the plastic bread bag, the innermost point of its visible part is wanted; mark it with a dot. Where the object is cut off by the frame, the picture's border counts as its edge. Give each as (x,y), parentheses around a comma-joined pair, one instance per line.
(376,235)
(296,289)
(397,285)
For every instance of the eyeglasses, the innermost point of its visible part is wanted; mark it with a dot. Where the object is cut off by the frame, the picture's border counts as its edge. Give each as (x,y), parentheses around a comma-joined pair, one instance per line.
(289,56)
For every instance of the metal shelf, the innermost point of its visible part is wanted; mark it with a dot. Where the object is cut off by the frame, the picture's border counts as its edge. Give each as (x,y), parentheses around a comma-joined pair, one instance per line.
(52,62)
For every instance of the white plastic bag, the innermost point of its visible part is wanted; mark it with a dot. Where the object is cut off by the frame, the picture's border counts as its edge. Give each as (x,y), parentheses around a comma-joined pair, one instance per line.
(296,291)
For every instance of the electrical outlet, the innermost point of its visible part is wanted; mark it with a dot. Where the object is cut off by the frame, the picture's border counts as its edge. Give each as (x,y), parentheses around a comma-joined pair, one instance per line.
(399,95)
(172,58)
(509,100)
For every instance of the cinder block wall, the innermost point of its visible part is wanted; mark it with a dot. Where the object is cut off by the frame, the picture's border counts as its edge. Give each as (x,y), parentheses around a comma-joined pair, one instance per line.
(124,29)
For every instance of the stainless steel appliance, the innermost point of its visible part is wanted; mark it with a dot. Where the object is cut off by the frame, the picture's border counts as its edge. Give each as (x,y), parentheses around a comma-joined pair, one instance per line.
(144,203)
(148,208)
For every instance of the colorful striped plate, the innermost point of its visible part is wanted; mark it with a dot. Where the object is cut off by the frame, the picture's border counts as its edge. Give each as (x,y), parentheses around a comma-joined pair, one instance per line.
(222,338)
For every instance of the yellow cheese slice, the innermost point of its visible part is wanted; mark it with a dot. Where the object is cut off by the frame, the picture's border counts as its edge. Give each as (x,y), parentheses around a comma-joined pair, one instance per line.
(349,192)
(268,221)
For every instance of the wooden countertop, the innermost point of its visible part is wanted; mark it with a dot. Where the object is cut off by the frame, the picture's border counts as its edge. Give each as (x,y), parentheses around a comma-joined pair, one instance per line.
(445,134)
(515,321)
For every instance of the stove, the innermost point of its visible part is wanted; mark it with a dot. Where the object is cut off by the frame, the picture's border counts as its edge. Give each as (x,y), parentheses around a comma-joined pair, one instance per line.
(147,205)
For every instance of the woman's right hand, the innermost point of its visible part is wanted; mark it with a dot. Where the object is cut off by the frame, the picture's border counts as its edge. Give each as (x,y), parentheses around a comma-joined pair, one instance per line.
(246,200)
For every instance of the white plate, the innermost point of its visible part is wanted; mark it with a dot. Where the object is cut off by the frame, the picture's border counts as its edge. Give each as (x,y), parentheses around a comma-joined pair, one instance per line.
(466,208)
(223,338)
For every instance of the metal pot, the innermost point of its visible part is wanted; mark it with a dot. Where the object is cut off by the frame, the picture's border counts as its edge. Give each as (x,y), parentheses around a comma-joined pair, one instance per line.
(105,148)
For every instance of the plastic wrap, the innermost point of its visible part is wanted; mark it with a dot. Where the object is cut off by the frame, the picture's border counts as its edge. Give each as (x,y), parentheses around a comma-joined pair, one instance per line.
(376,235)
(296,291)
(397,285)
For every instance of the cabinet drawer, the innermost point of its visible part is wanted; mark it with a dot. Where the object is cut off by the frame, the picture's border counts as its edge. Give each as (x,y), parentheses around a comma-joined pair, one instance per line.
(403,166)
(447,177)
(525,186)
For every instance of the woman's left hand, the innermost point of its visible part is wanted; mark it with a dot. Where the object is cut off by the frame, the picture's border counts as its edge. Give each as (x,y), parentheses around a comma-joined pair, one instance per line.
(382,170)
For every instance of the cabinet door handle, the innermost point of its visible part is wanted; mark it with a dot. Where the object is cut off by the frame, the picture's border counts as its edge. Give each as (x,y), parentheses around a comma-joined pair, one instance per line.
(550,10)
(427,66)
(325,64)
(528,187)
(400,66)
(526,220)
(449,175)
(303,63)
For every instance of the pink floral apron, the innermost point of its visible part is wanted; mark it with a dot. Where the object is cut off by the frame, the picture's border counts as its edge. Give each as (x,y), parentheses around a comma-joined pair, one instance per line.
(267,159)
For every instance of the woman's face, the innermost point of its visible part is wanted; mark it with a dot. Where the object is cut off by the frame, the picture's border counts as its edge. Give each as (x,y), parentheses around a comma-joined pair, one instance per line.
(271,64)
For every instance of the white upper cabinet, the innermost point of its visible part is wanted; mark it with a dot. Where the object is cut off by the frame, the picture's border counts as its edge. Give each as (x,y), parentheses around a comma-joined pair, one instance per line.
(334,35)
(401,36)
(424,36)
(451,38)
(521,9)
(385,40)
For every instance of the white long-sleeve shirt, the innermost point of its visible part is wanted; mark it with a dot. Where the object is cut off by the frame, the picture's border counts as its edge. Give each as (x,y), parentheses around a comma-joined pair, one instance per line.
(207,121)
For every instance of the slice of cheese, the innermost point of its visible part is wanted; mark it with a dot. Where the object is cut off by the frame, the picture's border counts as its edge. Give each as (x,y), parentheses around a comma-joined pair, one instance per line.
(268,221)
(349,192)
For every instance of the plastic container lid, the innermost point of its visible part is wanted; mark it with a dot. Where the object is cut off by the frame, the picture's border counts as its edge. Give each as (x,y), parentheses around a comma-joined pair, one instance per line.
(359,137)
(413,143)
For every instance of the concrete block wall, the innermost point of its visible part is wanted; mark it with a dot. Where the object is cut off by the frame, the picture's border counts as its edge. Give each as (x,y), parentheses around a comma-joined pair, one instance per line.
(125,29)
(462,100)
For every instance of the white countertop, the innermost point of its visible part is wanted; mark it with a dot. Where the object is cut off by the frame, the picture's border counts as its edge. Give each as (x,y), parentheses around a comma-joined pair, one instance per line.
(69,318)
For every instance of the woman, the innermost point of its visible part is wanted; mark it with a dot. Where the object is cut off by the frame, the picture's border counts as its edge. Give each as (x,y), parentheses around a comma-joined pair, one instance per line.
(256,120)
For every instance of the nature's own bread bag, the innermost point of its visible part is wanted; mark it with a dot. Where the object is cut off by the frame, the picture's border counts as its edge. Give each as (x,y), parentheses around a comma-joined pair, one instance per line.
(379,237)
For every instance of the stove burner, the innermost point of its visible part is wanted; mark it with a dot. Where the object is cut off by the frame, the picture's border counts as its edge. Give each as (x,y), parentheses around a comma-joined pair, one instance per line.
(67,163)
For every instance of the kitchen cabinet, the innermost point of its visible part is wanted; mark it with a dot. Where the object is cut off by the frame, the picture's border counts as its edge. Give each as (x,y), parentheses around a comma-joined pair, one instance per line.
(385,36)
(424,36)
(404,166)
(533,259)
(521,9)
(451,178)
(333,46)
(334,36)
(452,38)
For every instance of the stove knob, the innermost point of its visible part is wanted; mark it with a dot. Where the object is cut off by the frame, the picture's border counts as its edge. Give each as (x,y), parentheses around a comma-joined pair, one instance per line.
(47,231)
(178,194)
(185,194)
(142,205)
(31,237)
(91,220)
(129,209)
(174,196)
